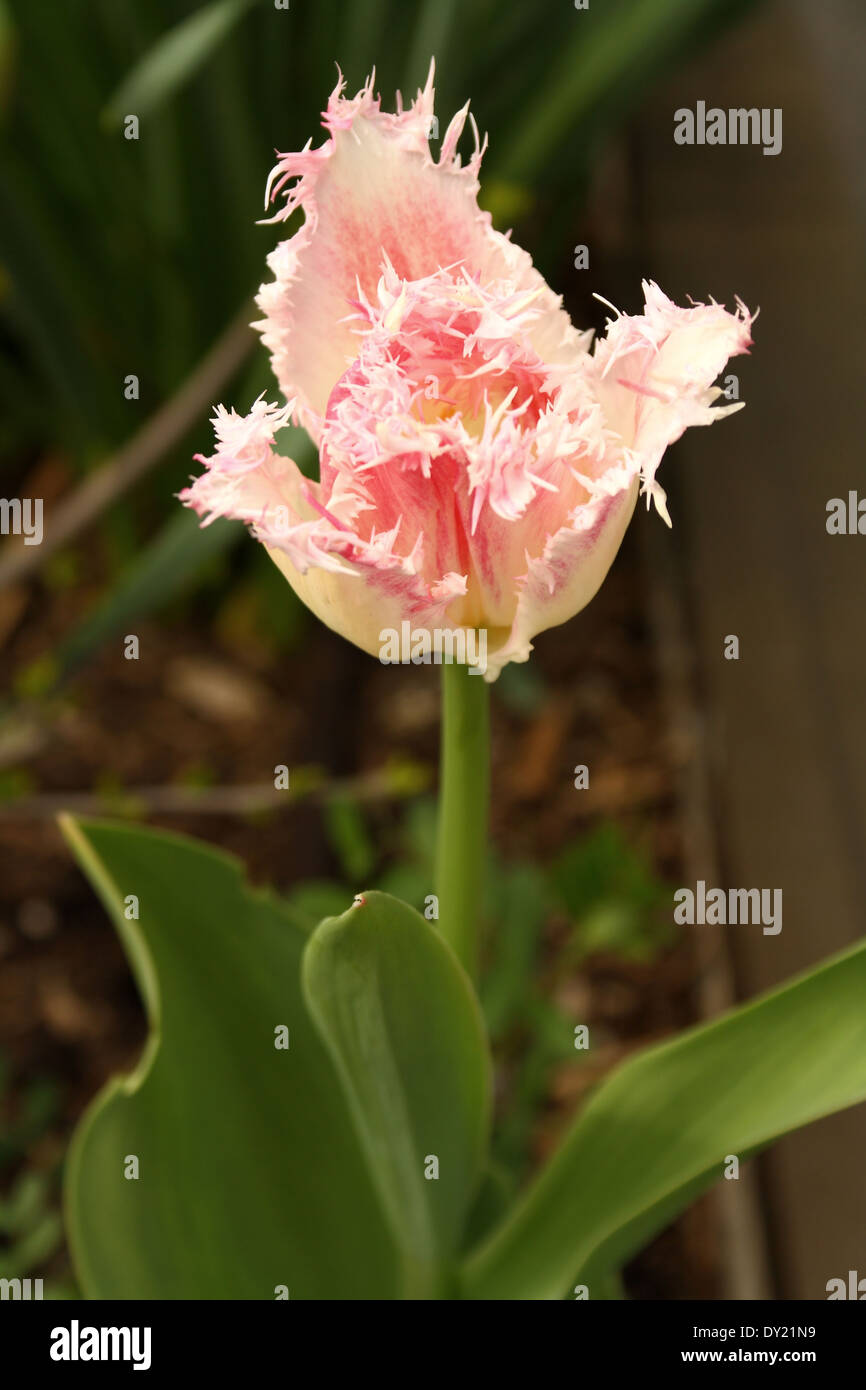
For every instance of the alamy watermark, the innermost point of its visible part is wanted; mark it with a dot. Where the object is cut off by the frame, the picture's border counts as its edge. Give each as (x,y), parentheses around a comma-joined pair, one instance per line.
(434,646)
(854,1287)
(846,517)
(77,1343)
(22,516)
(21,1289)
(739,125)
(736,907)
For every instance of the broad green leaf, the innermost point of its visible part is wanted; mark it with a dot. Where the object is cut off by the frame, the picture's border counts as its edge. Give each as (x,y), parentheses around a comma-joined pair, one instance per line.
(405,1030)
(250,1174)
(174,59)
(658,1131)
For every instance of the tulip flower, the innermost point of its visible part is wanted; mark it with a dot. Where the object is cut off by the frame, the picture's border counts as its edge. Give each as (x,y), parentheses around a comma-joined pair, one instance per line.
(479,461)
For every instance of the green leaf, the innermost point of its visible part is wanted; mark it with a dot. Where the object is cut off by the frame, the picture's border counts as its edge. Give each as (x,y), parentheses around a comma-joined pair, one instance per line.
(174,59)
(404,1028)
(657,1132)
(250,1174)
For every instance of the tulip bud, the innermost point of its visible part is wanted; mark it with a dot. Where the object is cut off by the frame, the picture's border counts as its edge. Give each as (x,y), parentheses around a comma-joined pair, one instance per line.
(479,460)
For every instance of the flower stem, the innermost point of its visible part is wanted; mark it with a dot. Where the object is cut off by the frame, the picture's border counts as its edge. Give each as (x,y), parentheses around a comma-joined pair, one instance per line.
(464,793)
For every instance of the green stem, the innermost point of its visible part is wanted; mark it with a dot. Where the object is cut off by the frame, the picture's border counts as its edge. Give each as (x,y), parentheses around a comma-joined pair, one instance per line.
(464,792)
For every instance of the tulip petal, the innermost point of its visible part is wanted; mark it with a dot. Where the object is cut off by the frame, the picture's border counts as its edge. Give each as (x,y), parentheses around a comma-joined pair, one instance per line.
(365,599)
(569,572)
(373,196)
(653,374)
(651,377)
(358,585)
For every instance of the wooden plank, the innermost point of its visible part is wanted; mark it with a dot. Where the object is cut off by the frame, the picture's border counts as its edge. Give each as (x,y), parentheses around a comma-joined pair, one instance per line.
(784,724)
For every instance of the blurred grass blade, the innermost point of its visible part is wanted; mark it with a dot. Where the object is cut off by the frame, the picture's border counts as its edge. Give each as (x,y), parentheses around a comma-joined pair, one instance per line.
(7,54)
(349,838)
(162,572)
(430,40)
(360,36)
(659,1131)
(404,1028)
(520,901)
(173,60)
(617,49)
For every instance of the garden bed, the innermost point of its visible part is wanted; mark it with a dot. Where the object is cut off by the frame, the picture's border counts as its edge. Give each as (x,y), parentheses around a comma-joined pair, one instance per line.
(200,710)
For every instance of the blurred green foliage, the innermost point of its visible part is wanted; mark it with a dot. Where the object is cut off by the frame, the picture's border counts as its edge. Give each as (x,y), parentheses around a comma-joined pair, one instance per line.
(611,889)
(130,256)
(30,1226)
(122,256)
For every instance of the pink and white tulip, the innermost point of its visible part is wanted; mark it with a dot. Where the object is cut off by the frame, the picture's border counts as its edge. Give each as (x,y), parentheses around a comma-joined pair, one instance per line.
(479,463)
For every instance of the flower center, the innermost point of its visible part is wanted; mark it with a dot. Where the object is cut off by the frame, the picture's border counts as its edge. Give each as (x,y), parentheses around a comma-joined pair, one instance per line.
(443,431)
